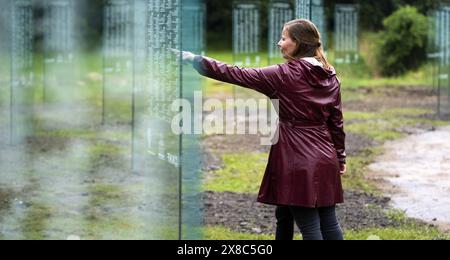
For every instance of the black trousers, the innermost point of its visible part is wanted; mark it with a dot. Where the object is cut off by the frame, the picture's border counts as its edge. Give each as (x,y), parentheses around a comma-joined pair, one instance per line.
(314,224)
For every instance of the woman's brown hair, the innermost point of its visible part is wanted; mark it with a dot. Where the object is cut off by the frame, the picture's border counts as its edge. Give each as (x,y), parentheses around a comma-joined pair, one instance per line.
(308,40)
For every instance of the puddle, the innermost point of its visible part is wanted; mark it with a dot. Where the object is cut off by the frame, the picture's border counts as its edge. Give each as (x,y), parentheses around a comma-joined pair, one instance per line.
(418,168)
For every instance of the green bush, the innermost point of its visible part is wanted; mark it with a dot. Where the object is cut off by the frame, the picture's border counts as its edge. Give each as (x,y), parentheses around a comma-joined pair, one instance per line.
(403,43)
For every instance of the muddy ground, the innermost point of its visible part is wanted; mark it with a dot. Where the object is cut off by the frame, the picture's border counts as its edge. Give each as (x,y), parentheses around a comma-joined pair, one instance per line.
(241,212)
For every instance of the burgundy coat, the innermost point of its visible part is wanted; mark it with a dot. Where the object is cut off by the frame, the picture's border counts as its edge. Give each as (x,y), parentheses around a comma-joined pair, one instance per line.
(303,168)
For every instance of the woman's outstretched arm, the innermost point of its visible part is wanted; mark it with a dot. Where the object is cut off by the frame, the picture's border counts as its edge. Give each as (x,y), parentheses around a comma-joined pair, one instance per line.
(263,80)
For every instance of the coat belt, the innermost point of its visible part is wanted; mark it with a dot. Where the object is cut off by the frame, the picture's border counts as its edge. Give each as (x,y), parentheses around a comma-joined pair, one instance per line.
(302,124)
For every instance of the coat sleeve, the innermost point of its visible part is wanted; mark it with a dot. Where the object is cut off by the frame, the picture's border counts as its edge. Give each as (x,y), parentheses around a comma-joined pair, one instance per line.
(336,125)
(263,80)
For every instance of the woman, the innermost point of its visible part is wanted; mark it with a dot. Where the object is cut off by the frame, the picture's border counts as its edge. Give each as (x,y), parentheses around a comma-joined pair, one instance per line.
(303,175)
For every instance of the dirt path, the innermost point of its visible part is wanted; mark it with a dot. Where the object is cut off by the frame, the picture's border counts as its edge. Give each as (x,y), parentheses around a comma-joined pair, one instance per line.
(417,172)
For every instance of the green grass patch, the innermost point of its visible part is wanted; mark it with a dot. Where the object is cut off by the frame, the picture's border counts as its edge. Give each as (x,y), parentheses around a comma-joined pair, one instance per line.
(222,233)
(355,76)
(106,194)
(35,222)
(102,148)
(69,133)
(86,134)
(217,88)
(386,114)
(408,229)
(405,232)
(386,125)
(354,178)
(380,130)
(131,229)
(242,174)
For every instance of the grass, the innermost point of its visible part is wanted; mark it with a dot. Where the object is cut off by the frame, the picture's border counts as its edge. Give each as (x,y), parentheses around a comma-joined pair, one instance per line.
(102,148)
(108,211)
(380,130)
(410,232)
(34,224)
(386,125)
(89,134)
(222,233)
(387,113)
(242,174)
(405,232)
(125,226)
(103,194)
(419,78)
(354,178)
(409,229)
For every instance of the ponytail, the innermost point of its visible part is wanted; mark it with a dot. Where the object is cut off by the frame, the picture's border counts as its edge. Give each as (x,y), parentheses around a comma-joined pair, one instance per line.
(320,56)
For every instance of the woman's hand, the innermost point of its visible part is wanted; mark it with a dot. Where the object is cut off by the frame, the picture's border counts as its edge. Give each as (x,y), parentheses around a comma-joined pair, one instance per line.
(186,56)
(343,169)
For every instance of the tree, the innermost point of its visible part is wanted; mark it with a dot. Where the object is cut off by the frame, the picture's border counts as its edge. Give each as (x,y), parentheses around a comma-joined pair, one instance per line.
(403,43)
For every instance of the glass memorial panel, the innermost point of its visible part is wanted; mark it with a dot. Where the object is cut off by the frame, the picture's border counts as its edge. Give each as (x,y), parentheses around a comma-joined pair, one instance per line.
(16,76)
(117,61)
(442,47)
(280,12)
(246,33)
(162,169)
(314,11)
(346,33)
(72,177)
(193,40)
